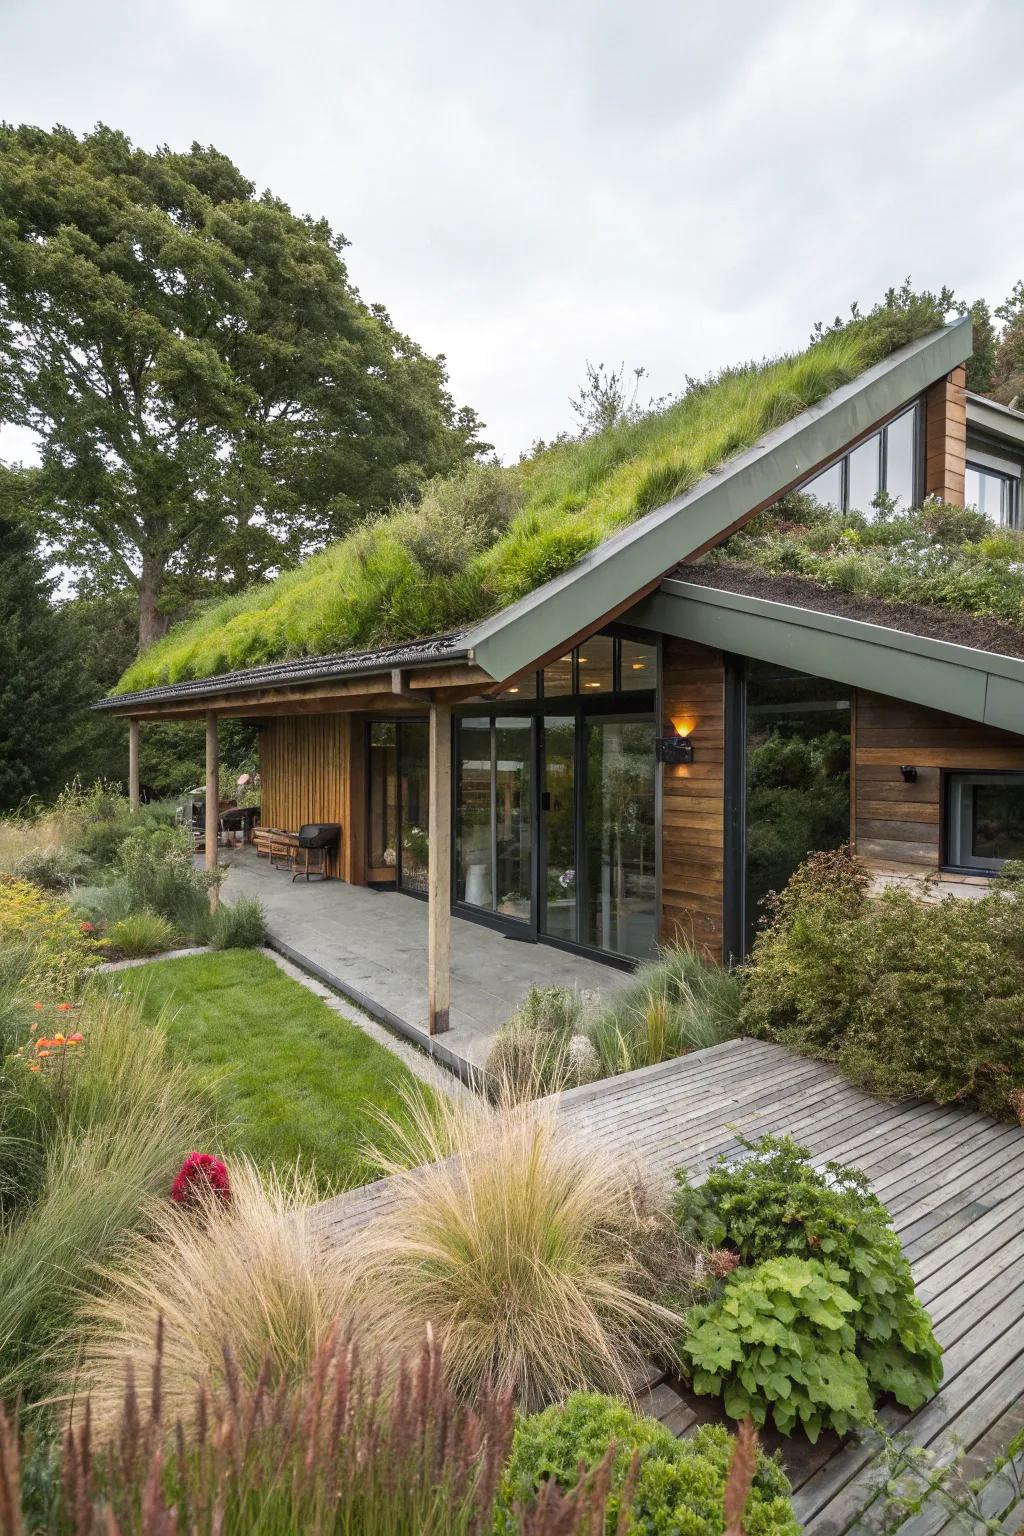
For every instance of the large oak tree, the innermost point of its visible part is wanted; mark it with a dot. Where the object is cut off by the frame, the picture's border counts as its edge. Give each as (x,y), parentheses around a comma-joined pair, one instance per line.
(211,395)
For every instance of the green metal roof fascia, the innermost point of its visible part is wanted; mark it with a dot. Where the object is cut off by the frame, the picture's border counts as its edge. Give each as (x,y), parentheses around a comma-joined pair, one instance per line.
(996,420)
(979,685)
(629,561)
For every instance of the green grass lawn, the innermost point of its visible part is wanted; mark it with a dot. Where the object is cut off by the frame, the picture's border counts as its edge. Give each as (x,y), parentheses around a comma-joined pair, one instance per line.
(289,1078)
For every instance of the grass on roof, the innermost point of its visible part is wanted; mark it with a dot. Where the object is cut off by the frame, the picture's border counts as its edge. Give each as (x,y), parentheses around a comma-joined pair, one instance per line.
(489,535)
(938,555)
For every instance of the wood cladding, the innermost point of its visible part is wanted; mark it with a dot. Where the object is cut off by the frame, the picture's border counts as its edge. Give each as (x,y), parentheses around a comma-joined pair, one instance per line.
(945,437)
(692,798)
(898,826)
(306,765)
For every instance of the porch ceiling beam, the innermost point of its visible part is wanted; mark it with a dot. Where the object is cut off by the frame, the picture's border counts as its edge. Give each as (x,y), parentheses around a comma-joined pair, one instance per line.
(331,705)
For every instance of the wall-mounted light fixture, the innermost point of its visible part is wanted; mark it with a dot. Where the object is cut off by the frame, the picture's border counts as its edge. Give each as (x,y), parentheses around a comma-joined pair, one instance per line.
(675,748)
(909,773)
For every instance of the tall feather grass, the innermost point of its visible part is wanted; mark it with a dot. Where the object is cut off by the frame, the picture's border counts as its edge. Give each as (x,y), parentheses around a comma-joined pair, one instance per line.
(252,1278)
(677,1003)
(534,1254)
(112,1136)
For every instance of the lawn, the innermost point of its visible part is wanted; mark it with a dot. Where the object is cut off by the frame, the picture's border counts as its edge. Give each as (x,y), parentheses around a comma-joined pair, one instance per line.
(289,1078)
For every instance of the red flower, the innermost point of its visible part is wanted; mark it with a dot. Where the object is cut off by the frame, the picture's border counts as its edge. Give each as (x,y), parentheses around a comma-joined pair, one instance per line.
(87,927)
(199,1177)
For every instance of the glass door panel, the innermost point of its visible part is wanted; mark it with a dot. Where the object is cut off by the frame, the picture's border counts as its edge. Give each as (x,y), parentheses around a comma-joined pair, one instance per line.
(558,828)
(383,795)
(512,753)
(413,740)
(474,869)
(619,912)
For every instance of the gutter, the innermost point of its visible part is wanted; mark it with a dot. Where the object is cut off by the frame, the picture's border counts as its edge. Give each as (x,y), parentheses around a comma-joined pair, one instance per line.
(938,674)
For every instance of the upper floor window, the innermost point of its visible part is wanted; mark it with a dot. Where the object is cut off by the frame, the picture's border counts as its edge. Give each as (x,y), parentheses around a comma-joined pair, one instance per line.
(886,461)
(602,665)
(992,484)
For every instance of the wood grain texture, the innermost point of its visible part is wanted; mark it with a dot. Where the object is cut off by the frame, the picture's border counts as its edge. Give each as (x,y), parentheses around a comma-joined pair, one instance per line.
(692,832)
(945,437)
(898,826)
(306,770)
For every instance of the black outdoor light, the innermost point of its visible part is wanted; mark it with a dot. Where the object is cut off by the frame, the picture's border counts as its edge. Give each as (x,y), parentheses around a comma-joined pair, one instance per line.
(909,773)
(675,748)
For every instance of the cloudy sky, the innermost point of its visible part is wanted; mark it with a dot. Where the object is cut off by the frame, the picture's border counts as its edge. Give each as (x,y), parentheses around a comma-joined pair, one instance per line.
(667,183)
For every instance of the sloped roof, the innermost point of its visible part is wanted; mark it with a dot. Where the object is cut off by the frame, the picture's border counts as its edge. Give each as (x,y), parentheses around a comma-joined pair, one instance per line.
(939,674)
(633,560)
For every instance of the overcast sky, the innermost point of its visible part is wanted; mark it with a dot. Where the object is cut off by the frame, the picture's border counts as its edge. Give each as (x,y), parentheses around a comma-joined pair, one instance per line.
(672,184)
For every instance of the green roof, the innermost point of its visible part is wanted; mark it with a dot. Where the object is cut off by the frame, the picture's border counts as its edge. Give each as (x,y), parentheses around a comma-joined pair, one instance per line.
(486,538)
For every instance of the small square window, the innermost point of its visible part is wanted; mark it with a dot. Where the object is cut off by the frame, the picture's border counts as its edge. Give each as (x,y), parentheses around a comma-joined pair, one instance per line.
(984,820)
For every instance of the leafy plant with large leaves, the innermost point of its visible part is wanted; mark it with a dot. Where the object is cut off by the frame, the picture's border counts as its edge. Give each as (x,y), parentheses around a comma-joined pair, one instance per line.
(776,1204)
(780,1341)
(211,394)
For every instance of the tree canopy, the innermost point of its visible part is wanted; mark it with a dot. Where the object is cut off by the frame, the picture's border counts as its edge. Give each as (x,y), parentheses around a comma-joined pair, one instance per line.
(212,396)
(38,686)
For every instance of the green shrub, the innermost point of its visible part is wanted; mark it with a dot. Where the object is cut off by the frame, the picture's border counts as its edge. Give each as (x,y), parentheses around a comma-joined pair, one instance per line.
(239,925)
(676,1003)
(157,872)
(775,1203)
(141,934)
(779,1342)
(32,920)
(910,998)
(53,869)
(680,1483)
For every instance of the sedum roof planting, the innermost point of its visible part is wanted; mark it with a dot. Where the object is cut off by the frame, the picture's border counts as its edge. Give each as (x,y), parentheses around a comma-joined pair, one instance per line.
(490,535)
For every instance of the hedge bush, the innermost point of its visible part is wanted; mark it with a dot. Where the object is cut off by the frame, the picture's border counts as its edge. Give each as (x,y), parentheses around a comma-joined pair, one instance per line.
(910,998)
(680,1483)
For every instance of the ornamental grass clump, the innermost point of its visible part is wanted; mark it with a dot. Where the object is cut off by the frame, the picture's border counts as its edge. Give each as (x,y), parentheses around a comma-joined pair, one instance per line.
(343,1451)
(250,1276)
(95,1144)
(676,1003)
(239,925)
(535,1255)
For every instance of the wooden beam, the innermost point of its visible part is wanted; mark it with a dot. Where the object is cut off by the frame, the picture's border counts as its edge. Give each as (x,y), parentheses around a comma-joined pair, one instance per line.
(393,704)
(133,765)
(439,879)
(212,797)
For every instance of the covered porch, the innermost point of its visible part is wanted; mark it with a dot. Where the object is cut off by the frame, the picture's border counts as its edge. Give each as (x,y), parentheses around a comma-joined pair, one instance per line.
(371,945)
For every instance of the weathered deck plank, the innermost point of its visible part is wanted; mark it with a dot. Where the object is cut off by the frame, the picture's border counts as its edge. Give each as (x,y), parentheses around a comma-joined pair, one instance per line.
(954,1181)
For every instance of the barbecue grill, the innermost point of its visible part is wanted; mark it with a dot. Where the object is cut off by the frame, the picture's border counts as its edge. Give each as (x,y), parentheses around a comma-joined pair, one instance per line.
(316,839)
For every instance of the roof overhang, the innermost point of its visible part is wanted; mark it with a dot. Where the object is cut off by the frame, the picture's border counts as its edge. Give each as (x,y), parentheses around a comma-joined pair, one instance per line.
(633,561)
(995,420)
(978,685)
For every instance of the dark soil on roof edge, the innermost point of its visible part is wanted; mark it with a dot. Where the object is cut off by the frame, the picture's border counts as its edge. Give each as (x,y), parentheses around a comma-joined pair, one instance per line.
(980,634)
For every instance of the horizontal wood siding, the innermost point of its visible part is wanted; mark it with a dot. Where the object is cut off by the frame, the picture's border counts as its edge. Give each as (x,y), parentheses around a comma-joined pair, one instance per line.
(305,774)
(945,437)
(693,699)
(898,826)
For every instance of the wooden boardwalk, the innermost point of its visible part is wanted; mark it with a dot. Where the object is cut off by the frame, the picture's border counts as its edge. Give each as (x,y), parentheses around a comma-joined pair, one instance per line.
(954,1182)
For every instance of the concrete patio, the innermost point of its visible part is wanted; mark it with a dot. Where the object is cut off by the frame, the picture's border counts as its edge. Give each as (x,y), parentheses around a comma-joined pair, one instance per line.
(372,946)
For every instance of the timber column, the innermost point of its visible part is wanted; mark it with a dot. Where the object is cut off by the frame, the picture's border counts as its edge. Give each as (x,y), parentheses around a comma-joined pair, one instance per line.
(212,798)
(439,879)
(133,765)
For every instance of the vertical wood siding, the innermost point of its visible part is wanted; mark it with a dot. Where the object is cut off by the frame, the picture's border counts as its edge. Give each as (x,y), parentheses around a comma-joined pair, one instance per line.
(898,826)
(305,771)
(693,804)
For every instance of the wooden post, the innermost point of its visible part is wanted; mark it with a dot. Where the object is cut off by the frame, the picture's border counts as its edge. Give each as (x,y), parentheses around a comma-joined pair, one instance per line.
(439,881)
(212,798)
(133,764)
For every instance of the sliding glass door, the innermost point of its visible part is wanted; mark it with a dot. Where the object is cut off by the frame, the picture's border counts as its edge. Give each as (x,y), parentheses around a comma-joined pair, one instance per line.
(493,862)
(559,863)
(619,903)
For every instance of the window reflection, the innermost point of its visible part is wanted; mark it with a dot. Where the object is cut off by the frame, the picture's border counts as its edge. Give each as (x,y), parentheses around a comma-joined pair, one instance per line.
(639,665)
(596,661)
(864,475)
(827,487)
(558,678)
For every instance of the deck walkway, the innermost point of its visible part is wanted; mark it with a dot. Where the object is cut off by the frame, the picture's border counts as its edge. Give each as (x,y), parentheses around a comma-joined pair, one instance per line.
(954,1182)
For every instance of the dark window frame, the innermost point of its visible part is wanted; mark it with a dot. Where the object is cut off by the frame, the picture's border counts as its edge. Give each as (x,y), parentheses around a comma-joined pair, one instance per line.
(1010,479)
(882,431)
(957,819)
